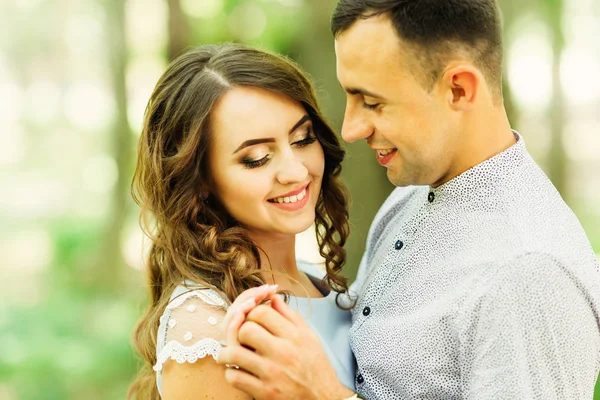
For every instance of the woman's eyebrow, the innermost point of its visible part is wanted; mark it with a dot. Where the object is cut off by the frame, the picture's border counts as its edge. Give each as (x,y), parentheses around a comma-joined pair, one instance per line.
(252,142)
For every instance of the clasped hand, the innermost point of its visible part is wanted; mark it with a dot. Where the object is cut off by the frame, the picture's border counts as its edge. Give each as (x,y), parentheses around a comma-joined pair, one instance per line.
(275,353)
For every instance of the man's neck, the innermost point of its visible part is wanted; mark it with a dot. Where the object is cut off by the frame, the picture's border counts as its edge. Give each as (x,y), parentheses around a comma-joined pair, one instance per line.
(484,135)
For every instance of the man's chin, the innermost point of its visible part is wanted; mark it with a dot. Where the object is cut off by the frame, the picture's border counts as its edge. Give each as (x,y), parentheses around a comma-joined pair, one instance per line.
(400,179)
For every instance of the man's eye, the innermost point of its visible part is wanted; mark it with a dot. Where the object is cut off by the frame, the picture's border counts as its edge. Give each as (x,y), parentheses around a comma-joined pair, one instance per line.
(370,106)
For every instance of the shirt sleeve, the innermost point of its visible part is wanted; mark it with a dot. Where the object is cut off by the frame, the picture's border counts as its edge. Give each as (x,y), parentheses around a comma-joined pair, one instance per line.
(531,333)
(192,327)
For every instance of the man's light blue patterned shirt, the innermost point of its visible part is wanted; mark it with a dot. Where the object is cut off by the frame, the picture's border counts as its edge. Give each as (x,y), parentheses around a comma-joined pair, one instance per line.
(483,288)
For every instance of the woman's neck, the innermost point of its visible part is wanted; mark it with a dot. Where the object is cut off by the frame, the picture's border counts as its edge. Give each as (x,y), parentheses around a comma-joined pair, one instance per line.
(277,254)
(278,263)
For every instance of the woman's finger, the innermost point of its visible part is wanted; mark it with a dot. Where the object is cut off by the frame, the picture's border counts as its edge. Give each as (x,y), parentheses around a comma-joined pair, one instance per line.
(247,300)
(233,327)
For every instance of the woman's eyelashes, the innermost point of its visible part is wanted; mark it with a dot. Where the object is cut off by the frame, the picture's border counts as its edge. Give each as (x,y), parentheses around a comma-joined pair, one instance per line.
(249,163)
(308,139)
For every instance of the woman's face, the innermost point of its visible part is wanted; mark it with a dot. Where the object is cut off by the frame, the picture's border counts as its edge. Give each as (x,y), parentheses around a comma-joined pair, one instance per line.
(266,162)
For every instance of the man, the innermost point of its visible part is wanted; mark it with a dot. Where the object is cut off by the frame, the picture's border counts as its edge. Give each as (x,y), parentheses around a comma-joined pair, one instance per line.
(478,281)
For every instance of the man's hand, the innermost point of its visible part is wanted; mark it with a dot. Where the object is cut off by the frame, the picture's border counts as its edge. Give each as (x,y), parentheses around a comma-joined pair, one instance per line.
(278,355)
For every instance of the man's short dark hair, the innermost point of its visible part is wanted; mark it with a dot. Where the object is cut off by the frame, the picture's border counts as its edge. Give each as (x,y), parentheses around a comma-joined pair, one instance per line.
(435,30)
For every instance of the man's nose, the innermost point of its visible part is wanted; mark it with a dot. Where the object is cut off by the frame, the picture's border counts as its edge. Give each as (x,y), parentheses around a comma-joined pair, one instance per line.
(355,126)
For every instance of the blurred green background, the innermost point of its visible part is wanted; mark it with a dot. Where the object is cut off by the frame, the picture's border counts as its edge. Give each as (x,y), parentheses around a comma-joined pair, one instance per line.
(75,76)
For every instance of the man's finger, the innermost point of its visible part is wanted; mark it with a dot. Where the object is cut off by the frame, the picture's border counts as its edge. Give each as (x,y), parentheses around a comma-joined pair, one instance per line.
(259,339)
(243,358)
(279,305)
(271,320)
(245,382)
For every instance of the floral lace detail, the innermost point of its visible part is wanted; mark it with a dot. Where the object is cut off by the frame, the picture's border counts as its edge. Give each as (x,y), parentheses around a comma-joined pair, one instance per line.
(206,295)
(180,353)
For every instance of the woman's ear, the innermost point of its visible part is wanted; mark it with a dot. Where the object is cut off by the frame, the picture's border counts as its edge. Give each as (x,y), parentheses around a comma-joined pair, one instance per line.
(204,194)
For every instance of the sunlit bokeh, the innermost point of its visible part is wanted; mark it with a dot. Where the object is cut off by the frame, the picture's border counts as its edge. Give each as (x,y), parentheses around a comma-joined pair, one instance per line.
(28,251)
(529,67)
(142,74)
(203,9)
(247,21)
(146,25)
(44,99)
(89,105)
(580,76)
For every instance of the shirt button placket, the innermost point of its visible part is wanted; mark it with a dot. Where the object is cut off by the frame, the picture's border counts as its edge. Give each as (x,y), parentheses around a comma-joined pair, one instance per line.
(431,197)
(359,379)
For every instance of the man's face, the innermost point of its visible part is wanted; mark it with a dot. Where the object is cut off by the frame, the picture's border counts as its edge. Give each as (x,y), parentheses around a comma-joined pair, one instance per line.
(413,130)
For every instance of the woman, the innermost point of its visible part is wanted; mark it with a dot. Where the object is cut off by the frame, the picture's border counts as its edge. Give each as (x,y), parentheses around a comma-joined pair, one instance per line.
(235,159)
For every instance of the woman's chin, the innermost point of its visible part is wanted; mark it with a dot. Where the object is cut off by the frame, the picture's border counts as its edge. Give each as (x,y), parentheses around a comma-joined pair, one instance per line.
(299,226)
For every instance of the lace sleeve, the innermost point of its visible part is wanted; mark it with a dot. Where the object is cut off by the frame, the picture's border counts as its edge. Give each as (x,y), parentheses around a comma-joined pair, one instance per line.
(190,327)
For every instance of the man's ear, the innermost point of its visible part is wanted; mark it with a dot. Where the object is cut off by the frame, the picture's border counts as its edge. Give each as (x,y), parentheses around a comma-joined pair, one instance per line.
(461,85)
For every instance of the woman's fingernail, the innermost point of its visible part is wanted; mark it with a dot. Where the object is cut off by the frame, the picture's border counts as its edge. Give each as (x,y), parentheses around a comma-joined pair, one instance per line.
(273,287)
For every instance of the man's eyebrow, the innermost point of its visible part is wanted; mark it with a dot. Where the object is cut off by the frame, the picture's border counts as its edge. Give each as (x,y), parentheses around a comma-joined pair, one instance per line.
(363,92)
(252,142)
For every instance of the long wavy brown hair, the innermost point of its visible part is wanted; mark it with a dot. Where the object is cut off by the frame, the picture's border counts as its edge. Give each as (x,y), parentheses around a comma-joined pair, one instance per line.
(193,237)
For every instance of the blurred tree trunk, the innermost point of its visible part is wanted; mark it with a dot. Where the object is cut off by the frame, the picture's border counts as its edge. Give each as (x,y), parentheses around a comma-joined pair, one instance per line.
(366,180)
(510,11)
(552,12)
(178,29)
(110,262)
(558,162)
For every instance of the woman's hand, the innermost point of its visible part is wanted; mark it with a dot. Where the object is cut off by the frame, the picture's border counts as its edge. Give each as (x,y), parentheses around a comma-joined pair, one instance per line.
(243,304)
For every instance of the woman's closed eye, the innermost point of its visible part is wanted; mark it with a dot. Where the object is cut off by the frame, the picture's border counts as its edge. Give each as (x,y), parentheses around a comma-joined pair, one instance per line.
(308,139)
(250,163)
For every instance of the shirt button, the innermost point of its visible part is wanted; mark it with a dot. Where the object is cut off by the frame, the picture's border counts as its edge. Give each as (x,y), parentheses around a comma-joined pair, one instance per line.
(366,311)
(431,197)
(398,245)
(360,379)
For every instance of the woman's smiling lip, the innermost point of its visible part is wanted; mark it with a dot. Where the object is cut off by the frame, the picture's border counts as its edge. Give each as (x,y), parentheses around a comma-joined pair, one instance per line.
(296,205)
(292,193)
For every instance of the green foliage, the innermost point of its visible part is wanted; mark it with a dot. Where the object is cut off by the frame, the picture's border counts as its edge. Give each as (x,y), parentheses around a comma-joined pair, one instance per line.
(74,344)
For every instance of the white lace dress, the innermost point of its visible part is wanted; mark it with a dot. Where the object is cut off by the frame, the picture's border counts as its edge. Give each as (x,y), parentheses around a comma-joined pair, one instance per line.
(189,327)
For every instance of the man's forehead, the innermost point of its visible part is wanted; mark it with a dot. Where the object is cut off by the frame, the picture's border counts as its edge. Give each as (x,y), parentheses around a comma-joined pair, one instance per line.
(366,51)
(368,41)
(363,31)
